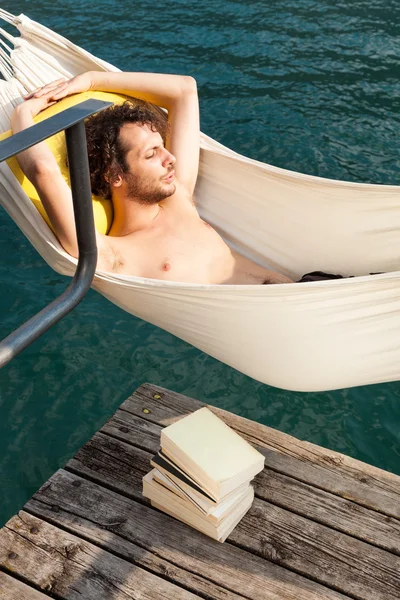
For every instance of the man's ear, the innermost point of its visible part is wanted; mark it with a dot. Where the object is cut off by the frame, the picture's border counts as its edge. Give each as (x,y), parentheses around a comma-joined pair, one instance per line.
(115,180)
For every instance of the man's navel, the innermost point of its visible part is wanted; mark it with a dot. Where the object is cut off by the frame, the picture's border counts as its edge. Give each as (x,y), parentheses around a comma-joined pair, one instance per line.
(166,266)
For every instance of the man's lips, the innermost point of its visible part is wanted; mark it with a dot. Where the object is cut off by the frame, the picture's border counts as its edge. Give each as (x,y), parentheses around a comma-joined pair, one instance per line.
(170,177)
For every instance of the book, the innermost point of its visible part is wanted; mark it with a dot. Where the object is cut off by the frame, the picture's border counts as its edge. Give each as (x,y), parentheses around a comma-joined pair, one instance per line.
(209,452)
(182,485)
(202,474)
(215,512)
(166,501)
(166,465)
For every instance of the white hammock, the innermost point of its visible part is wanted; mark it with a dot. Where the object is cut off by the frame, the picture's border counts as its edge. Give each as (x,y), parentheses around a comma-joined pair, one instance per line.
(306,337)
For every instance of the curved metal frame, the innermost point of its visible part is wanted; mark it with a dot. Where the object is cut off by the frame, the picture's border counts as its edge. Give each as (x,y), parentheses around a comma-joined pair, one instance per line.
(70,120)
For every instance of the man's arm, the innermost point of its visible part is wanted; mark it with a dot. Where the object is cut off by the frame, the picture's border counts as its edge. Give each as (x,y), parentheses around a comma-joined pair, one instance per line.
(176,93)
(41,168)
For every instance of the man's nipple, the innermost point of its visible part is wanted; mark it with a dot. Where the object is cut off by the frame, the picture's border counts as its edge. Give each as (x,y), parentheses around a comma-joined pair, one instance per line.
(166,266)
(206,224)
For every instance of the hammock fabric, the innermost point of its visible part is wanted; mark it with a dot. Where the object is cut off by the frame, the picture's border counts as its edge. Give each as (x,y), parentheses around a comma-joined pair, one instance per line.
(306,337)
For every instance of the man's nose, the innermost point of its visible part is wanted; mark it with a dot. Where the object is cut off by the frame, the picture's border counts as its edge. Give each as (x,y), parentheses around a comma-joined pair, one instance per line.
(169,159)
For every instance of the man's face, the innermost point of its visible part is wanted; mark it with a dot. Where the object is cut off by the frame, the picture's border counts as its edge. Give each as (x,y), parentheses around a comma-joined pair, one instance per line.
(151,177)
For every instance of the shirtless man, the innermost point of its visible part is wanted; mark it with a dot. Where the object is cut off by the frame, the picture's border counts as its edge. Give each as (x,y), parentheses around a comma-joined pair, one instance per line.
(157,231)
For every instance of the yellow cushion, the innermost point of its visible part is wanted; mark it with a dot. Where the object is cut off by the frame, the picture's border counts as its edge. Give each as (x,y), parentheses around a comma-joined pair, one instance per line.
(103,211)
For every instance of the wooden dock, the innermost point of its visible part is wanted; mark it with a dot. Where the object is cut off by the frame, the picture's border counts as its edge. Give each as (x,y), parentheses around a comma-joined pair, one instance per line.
(322,525)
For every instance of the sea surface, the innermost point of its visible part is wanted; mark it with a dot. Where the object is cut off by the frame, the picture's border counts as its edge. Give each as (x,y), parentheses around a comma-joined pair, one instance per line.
(308,86)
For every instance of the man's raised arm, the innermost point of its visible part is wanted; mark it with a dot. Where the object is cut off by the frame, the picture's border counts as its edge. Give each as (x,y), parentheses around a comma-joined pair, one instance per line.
(176,93)
(41,168)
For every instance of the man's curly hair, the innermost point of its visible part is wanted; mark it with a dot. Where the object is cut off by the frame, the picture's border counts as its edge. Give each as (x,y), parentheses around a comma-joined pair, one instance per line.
(106,153)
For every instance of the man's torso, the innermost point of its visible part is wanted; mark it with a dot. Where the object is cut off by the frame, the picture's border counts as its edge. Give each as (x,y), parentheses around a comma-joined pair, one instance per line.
(180,246)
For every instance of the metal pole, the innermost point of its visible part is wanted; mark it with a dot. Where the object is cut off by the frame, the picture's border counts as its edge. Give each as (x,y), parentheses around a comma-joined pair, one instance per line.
(86,237)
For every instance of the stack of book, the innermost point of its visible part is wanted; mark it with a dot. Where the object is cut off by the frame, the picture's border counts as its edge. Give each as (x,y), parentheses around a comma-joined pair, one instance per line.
(202,474)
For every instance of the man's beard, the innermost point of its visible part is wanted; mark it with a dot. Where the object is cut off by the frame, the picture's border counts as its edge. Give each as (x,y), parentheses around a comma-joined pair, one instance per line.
(147,191)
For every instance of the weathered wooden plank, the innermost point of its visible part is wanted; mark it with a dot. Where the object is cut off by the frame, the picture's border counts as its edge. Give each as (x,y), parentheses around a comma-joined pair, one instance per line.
(12,589)
(330,510)
(330,557)
(72,568)
(101,536)
(71,506)
(296,496)
(139,556)
(134,429)
(328,470)
(339,560)
(113,463)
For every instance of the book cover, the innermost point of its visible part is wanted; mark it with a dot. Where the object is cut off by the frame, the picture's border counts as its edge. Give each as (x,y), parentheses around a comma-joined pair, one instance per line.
(210,452)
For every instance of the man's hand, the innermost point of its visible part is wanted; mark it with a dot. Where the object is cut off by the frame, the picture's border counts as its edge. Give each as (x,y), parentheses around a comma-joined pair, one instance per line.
(34,106)
(56,90)
(25,112)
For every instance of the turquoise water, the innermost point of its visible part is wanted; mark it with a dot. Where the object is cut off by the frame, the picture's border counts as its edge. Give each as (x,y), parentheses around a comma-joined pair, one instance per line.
(306,86)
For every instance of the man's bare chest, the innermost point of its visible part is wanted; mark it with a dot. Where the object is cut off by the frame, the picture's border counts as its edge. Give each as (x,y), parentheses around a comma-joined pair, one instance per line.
(187,250)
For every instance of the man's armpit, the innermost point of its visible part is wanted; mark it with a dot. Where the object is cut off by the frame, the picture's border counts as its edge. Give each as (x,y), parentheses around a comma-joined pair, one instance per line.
(105,253)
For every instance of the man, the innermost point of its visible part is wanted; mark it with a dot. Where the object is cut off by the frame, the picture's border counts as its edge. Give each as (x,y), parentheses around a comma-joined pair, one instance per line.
(157,231)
